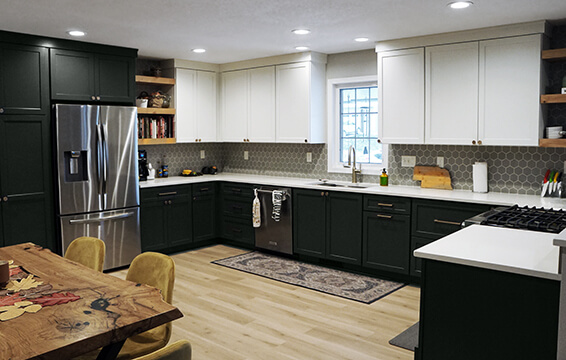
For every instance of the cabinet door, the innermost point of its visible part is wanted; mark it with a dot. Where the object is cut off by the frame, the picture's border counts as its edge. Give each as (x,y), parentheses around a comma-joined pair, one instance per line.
(510,84)
(24,79)
(206,106)
(72,75)
(153,224)
(179,225)
(115,78)
(309,222)
(204,217)
(25,157)
(452,94)
(185,105)
(344,227)
(387,241)
(293,102)
(261,125)
(401,85)
(415,262)
(235,103)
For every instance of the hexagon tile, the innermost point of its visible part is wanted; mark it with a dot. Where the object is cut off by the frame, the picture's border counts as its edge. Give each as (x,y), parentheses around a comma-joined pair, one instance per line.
(511,169)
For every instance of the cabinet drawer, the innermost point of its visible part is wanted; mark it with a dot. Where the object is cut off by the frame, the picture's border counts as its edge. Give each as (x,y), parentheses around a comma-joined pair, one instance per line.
(237,208)
(165,192)
(235,189)
(238,230)
(207,188)
(434,219)
(391,204)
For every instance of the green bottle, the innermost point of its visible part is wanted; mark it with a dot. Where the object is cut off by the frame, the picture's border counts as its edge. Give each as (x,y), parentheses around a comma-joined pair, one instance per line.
(383,179)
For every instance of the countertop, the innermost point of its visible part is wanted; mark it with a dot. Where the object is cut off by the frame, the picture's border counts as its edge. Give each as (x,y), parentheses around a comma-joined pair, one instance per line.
(489,198)
(522,252)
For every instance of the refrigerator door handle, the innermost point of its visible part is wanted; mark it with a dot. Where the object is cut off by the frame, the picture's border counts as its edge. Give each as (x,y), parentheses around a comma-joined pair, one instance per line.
(105,169)
(98,220)
(99,158)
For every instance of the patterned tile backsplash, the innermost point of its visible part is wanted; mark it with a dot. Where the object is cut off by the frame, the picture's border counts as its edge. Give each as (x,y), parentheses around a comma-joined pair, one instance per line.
(511,169)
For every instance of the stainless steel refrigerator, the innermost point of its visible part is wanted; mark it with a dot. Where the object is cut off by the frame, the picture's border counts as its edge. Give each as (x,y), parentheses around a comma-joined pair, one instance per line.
(98,178)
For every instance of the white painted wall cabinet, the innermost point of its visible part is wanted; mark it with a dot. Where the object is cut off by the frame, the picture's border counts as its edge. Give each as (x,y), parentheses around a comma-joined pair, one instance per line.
(195,102)
(400,79)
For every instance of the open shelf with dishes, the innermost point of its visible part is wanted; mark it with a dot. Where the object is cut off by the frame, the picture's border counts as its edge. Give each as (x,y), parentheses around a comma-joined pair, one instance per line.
(156,126)
(553,55)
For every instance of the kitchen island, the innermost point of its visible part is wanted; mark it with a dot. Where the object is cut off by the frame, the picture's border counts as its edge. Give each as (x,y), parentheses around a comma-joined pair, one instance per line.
(489,293)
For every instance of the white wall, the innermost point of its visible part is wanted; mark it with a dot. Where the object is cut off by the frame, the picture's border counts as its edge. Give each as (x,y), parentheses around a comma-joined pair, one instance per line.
(356,63)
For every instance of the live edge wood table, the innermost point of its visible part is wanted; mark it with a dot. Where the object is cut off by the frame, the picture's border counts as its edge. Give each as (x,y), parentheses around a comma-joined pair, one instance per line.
(97,310)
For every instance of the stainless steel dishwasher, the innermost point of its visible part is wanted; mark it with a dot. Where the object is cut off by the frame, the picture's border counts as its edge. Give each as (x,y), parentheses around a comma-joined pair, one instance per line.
(276,230)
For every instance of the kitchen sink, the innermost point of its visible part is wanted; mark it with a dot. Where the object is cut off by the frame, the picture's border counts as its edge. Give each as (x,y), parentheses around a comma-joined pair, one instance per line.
(334,184)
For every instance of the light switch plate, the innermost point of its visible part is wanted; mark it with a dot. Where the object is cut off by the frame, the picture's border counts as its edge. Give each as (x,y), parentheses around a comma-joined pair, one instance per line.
(309,157)
(202,154)
(440,161)
(246,155)
(408,161)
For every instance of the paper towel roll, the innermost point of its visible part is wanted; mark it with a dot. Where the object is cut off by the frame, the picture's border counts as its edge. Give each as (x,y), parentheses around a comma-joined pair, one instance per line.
(480,177)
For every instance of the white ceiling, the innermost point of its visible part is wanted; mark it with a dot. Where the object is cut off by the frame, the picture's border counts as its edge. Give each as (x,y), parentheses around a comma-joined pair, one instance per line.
(233,30)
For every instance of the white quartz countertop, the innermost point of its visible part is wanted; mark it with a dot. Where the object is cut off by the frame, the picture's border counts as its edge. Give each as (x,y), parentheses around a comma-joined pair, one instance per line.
(522,252)
(490,198)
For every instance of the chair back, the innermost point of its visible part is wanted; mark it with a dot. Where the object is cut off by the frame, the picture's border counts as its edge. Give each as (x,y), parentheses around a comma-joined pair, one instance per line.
(179,350)
(154,269)
(86,250)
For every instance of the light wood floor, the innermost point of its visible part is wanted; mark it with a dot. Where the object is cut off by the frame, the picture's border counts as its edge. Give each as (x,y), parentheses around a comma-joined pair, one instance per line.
(233,315)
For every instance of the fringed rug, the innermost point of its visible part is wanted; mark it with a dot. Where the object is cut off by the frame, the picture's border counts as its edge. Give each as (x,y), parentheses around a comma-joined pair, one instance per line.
(335,282)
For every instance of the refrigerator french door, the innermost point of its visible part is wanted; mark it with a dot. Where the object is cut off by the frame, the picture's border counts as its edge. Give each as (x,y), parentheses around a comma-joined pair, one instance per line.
(98,178)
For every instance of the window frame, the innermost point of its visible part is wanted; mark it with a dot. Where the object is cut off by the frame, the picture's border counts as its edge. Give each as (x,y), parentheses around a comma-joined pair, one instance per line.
(333,125)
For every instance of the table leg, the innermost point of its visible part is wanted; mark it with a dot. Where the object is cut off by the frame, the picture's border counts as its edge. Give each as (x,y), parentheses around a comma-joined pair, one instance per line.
(110,352)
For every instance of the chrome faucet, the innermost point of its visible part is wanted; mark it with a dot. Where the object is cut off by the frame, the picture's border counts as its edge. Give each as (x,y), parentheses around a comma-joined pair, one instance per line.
(352,164)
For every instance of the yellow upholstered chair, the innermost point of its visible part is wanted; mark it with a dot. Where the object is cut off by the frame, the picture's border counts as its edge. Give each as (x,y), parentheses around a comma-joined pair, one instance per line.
(156,270)
(88,251)
(179,350)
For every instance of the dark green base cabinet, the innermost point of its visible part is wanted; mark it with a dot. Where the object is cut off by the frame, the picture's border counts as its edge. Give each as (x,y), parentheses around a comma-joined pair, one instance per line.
(328,225)
(204,211)
(166,214)
(236,213)
(468,313)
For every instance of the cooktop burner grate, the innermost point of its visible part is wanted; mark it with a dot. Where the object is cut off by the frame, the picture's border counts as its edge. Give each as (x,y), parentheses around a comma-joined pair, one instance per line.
(529,218)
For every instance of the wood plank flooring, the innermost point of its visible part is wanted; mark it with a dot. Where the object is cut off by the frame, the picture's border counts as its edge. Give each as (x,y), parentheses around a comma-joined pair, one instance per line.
(233,315)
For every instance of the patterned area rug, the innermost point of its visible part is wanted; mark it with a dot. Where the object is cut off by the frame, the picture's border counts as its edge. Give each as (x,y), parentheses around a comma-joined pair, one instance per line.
(335,282)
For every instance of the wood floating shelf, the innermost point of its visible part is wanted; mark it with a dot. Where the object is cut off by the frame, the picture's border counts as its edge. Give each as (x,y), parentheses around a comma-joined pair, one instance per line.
(156,111)
(157,141)
(552,142)
(154,80)
(553,98)
(554,55)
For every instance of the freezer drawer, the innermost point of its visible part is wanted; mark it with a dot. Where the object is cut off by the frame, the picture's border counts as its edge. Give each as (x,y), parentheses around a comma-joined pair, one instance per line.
(119,229)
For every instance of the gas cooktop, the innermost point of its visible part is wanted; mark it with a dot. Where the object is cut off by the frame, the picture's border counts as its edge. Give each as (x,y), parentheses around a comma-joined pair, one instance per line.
(528,218)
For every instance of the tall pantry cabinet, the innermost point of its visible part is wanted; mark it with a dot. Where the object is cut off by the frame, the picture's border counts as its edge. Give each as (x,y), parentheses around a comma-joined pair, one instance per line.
(26,202)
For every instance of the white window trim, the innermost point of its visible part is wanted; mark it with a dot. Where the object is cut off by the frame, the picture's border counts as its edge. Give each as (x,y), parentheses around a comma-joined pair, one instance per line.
(333,111)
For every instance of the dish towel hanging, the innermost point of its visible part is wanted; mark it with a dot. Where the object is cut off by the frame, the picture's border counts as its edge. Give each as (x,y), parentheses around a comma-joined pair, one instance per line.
(276,199)
(256,213)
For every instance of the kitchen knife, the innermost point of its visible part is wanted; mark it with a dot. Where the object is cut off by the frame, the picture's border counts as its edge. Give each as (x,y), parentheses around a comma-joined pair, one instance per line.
(545,183)
(549,187)
(555,182)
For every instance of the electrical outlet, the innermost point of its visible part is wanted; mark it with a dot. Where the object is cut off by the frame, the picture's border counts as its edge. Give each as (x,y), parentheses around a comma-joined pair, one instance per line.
(440,161)
(408,161)
(309,157)
(202,154)
(246,155)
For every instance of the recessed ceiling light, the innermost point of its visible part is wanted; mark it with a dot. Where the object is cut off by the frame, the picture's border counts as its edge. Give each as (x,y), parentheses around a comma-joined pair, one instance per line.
(199,51)
(76,33)
(460,4)
(361,39)
(301,31)
(301,48)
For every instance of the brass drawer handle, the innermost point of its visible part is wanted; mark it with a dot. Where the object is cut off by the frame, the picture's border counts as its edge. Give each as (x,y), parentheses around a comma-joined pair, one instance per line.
(203,189)
(384,216)
(236,230)
(382,204)
(236,190)
(447,222)
(168,193)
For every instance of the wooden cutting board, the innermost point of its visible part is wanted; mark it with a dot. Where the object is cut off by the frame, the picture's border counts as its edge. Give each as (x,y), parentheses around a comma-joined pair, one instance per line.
(432,177)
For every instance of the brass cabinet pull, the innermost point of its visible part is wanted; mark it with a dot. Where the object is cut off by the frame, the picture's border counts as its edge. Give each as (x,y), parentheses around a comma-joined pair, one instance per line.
(203,189)
(168,193)
(382,204)
(322,193)
(1,110)
(473,142)
(5,198)
(447,222)
(236,190)
(479,142)
(236,230)
(384,216)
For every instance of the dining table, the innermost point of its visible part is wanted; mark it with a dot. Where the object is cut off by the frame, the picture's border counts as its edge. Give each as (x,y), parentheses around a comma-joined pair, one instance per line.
(54,308)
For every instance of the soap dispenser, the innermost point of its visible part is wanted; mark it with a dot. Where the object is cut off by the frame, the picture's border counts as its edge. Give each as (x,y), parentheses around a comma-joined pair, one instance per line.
(383,179)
